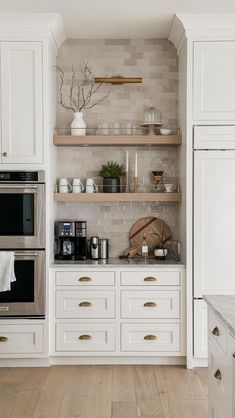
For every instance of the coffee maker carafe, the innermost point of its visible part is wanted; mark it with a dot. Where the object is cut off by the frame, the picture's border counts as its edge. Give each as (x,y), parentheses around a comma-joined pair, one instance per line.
(70,238)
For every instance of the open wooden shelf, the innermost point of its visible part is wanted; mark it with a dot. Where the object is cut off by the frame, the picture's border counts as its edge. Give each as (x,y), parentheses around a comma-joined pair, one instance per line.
(73,141)
(117,197)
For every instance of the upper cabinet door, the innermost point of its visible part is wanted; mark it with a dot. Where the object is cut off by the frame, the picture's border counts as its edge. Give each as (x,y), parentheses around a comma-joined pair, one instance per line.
(214,137)
(214,222)
(214,81)
(21,102)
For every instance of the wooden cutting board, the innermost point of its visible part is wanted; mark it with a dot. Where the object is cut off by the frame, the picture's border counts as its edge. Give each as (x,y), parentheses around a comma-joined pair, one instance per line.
(149,227)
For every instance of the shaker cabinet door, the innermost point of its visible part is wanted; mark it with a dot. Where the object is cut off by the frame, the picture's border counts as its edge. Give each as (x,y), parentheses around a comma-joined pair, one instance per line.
(214,222)
(21,102)
(214,81)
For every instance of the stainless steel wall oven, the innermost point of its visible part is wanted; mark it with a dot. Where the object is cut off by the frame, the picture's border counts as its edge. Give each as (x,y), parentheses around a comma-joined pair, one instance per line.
(22,230)
(27,295)
(22,209)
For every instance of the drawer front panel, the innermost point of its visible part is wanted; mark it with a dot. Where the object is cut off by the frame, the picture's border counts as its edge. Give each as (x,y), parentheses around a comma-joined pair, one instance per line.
(150,278)
(217,331)
(85,337)
(85,304)
(20,339)
(85,278)
(150,304)
(218,374)
(151,337)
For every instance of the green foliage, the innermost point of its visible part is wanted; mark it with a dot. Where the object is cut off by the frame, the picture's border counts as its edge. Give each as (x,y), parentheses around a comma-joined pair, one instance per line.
(111,169)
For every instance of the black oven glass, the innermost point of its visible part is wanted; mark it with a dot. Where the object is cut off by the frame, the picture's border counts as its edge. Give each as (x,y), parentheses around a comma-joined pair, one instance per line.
(16,214)
(22,290)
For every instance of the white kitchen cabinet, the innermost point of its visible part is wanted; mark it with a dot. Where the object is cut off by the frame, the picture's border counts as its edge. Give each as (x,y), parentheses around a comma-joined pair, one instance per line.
(21,103)
(214,222)
(214,137)
(200,329)
(21,339)
(116,310)
(214,81)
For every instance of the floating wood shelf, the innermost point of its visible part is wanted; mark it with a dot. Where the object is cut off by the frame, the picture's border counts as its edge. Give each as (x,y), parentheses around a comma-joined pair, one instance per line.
(118,80)
(117,197)
(98,140)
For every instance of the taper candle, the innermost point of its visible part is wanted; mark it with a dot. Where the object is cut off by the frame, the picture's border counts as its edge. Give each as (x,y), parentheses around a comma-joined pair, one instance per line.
(127,162)
(136,175)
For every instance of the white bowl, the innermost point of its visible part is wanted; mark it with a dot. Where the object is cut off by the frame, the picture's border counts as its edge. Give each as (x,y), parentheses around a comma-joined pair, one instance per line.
(165,131)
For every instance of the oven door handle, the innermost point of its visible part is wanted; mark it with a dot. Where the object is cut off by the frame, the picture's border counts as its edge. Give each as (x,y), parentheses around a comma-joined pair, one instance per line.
(18,186)
(19,254)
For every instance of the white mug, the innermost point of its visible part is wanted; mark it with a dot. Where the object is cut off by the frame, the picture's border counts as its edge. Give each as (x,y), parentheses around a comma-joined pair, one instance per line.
(91,186)
(64,186)
(78,187)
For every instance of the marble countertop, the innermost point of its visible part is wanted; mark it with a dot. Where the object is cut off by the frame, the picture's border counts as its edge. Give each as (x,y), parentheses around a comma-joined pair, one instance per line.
(117,262)
(224,308)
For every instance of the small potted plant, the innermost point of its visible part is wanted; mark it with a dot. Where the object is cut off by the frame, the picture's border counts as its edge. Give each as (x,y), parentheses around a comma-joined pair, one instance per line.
(111,173)
(163,246)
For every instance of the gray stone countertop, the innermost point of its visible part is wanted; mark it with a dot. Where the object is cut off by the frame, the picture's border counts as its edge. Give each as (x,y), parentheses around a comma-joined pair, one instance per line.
(119,263)
(224,308)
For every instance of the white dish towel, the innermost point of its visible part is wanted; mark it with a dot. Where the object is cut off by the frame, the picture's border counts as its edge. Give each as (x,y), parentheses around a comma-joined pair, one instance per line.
(7,272)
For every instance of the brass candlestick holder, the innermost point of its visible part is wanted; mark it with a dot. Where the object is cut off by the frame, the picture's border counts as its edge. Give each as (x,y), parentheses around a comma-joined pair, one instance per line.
(136,185)
(126,187)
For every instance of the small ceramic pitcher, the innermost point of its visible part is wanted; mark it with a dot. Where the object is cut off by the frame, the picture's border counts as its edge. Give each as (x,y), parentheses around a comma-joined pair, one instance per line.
(64,186)
(78,187)
(91,186)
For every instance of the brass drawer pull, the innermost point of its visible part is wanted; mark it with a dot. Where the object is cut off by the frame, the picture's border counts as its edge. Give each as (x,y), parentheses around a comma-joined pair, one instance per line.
(85,337)
(150,337)
(3,339)
(85,279)
(150,304)
(150,279)
(218,375)
(216,332)
(85,304)
(234,355)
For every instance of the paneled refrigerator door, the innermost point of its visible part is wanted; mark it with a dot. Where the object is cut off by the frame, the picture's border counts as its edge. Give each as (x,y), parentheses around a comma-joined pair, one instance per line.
(214,222)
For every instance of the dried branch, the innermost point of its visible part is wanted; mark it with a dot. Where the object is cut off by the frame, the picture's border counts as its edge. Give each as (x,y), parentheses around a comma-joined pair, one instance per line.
(80,92)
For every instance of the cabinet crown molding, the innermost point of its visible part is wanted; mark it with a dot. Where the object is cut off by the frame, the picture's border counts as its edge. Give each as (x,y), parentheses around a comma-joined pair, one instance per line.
(32,26)
(201,27)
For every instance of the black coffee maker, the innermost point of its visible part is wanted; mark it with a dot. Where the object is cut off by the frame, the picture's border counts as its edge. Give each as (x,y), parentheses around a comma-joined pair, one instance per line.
(70,240)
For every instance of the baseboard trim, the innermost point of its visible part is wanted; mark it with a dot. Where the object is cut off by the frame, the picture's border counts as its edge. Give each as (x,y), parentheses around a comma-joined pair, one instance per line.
(25,362)
(118,360)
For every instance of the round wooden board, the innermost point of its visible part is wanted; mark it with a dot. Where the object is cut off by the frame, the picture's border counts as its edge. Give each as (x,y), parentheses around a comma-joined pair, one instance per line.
(149,227)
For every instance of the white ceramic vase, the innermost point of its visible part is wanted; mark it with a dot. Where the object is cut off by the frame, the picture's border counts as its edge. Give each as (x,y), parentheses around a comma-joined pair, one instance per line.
(78,125)
(161,253)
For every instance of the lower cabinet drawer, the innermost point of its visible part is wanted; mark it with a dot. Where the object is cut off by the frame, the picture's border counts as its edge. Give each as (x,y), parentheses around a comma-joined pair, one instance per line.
(85,337)
(21,339)
(85,304)
(151,337)
(217,331)
(150,278)
(218,375)
(85,278)
(150,304)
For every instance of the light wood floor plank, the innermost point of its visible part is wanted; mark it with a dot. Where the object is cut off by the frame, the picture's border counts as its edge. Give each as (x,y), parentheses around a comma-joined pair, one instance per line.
(197,408)
(147,396)
(16,374)
(25,404)
(174,406)
(203,376)
(36,378)
(52,396)
(8,395)
(124,410)
(123,387)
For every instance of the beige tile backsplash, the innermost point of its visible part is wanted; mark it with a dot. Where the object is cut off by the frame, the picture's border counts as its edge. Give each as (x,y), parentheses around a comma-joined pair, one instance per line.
(156,62)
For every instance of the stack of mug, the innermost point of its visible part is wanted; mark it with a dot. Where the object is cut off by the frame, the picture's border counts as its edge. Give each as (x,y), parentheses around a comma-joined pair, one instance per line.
(77,186)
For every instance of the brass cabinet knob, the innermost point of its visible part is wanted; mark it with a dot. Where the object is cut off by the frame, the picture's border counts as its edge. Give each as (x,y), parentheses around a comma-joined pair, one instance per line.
(150,279)
(3,339)
(234,355)
(218,374)
(85,337)
(216,331)
(85,304)
(150,304)
(150,337)
(4,154)
(85,279)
